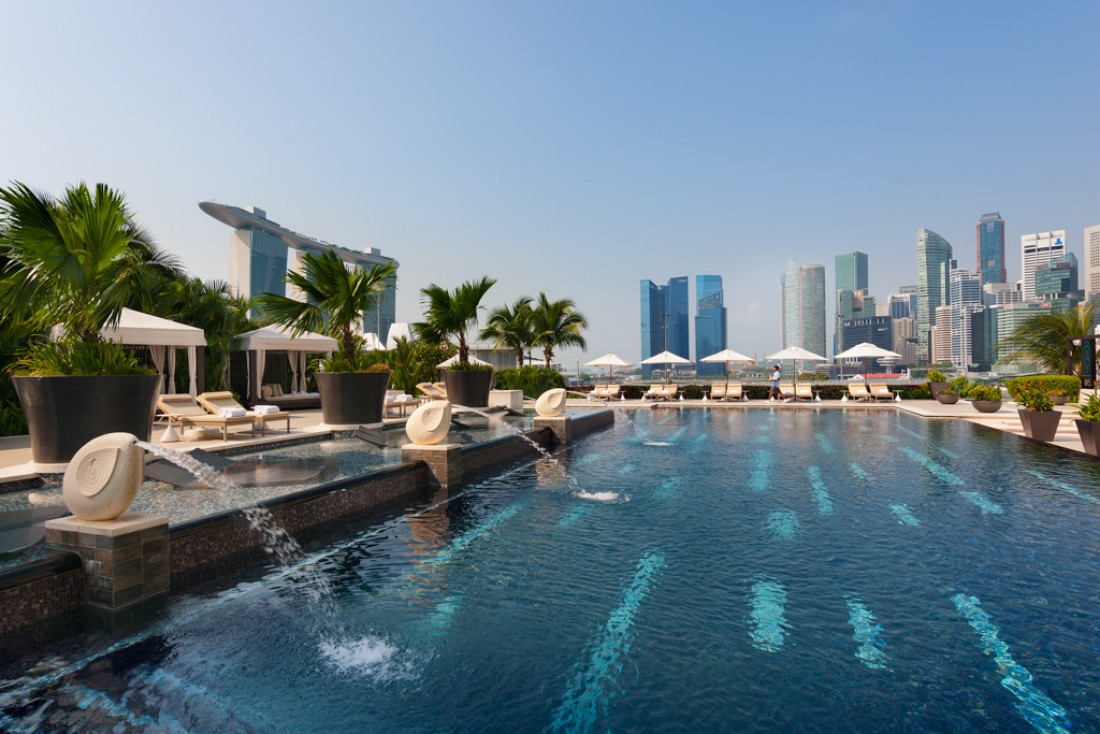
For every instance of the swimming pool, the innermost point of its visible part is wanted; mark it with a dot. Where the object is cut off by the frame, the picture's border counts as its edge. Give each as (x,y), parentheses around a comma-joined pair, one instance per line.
(723,570)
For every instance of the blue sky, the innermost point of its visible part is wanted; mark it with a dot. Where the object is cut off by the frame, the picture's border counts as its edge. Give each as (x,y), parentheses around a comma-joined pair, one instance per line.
(572,148)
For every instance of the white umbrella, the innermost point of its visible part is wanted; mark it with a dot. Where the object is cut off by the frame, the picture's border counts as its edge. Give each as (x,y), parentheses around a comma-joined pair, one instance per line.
(454,360)
(866,351)
(610,361)
(797,354)
(727,356)
(666,358)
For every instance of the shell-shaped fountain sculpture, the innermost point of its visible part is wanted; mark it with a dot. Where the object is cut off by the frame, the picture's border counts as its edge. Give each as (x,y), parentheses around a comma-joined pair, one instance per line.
(551,403)
(430,423)
(103,477)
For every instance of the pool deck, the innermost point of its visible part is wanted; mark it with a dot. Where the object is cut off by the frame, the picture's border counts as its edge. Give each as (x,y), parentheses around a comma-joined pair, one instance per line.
(15,451)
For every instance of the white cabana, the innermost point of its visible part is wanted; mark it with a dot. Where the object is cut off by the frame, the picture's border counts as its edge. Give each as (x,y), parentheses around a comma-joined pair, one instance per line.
(162,337)
(274,338)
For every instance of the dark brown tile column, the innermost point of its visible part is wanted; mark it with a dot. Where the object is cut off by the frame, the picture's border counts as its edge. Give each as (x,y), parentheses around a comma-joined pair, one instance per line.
(444,461)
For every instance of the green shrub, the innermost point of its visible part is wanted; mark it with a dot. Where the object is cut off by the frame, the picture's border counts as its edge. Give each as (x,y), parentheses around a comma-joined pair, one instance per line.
(12,422)
(959,385)
(76,358)
(1090,409)
(692,392)
(531,381)
(936,376)
(983,392)
(1070,383)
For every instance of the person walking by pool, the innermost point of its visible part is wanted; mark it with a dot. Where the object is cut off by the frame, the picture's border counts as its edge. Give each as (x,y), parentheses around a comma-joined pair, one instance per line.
(774,392)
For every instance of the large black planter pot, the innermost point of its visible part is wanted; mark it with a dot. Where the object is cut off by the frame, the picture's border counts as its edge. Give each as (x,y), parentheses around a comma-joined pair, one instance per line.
(946,398)
(986,406)
(64,413)
(352,398)
(1090,436)
(1040,425)
(469,388)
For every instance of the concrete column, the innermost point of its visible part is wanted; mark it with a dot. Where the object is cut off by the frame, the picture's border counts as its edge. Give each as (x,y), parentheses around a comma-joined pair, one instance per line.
(444,461)
(125,560)
(561,426)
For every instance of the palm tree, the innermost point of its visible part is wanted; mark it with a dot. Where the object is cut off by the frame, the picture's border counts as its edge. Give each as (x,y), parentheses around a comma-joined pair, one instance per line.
(77,260)
(509,327)
(1046,337)
(556,324)
(336,297)
(212,307)
(452,313)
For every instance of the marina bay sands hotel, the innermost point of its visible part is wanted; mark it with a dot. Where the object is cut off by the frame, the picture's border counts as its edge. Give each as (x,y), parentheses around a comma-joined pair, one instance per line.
(262,251)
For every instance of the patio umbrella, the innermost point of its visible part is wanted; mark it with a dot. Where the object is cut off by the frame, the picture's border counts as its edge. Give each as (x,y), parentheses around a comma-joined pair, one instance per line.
(454,360)
(610,361)
(798,354)
(728,356)
(666,358)
(866,351)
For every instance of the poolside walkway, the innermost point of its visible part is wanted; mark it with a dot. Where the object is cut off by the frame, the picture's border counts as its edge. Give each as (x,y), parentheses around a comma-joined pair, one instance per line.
(15,451)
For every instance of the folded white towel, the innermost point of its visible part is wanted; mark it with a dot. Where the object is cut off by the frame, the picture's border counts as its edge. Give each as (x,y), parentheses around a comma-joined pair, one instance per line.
(265,409)
(231,412)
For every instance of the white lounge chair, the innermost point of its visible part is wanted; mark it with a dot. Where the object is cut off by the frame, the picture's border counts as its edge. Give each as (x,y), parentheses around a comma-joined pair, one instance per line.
(879,391)
(859,391)
(216,402)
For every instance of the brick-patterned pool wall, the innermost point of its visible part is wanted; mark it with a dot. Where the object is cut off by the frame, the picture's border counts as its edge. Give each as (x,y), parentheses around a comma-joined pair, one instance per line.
(479,459)
(586,423)
(41,600)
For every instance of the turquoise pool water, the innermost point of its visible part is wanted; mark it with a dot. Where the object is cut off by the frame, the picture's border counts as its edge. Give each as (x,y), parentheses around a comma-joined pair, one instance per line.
(760,571)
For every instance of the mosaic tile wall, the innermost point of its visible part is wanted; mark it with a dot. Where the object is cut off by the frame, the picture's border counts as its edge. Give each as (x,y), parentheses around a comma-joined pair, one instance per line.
(41,606)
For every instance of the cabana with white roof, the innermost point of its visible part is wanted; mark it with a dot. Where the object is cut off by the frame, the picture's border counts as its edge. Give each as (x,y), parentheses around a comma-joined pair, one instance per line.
(163,337)
(257,343)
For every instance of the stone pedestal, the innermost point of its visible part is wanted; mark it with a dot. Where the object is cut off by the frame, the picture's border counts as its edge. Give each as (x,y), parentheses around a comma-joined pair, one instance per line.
(444,461)
(561,426)
(125,560)
(511,399)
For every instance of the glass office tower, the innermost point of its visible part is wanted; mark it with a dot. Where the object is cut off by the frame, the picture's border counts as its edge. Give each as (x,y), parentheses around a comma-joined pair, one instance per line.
(803,307)
(991,249)
(710,323)
(653,322)
(933,272)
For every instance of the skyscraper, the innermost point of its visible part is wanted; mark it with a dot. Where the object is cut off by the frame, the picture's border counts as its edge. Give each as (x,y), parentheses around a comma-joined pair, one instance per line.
(653,322)
(965,300)
(710,323)
(665,323)
(1041,247)
(851,272)
(1057,278)
(990,256)
(933,263)
(803,307)
(262,251)
(1092,262)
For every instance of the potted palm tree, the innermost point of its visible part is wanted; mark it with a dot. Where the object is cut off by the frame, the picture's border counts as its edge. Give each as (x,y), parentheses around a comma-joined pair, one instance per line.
(1037,414)
(352,384)
(1088,425)
(556,324)
(69,266)
(452,313)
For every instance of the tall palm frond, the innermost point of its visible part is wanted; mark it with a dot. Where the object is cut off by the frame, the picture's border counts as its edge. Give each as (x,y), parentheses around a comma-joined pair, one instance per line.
(452,313)
(1045,338)
(557,324)
(509,327)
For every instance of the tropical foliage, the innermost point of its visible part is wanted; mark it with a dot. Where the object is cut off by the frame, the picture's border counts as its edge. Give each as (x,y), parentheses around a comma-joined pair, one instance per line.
(212,307)
(509,327)
(1067,385)
(1031,395)
(532,381)
(415,361)
(335,298)
(452,313)
(556,324)
(1090,409)
(1044,339)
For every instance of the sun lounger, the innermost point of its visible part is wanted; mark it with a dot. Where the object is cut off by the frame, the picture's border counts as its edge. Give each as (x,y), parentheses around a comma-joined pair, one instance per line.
(183,410)
(669,392)
(879,391)
(604,392)
(224,402)
(398,400)
(786,390)
(273,395)
(653,393)
(859,391)
(803,391)
(735,391)
(718,392)
(433,390)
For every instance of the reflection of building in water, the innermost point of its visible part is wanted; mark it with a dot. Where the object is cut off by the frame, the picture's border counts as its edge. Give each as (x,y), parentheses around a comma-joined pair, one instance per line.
(550,473)
(430,530)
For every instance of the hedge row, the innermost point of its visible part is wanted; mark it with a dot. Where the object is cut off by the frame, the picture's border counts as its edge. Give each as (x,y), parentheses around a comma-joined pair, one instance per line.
(1069,384)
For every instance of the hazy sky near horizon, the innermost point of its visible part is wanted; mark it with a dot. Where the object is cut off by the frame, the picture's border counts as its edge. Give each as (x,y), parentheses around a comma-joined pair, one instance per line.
(571,147)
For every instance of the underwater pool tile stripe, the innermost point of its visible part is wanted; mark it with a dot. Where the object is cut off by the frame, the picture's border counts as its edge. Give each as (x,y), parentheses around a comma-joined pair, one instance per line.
(586,459)
(570,518)
(1058,484)
(824,444)
(441,617)
(587,695)
(891,439)
(915,434)
(905,515)
(165,681)
(697,444)
(668,488)
(783,524)
(857,470)
(1036,707)
(760,468)
(821,492)
(768,614)
(628,469)
(465,540)
(89,698)
(936,469)
(865,631)
(983,503)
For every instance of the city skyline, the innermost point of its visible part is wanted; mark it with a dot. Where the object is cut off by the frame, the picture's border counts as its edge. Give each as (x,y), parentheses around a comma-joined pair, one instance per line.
(572,149)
